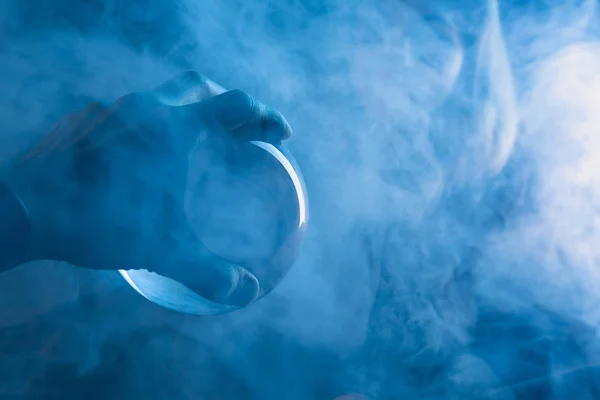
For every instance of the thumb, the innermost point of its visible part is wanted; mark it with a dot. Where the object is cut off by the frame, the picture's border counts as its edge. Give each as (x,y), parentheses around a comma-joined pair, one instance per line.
(214,278)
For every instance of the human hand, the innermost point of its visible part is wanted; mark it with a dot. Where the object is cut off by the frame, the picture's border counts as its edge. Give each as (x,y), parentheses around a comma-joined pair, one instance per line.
(105,188)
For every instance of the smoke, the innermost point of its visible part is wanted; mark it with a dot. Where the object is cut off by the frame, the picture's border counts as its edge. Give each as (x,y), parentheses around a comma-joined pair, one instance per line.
(449,152)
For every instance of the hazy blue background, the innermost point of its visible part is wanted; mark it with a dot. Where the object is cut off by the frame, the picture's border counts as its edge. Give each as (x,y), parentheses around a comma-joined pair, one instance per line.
(449,149)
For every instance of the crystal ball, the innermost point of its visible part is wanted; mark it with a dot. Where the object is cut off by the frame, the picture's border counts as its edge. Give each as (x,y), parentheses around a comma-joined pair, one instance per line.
(247,203)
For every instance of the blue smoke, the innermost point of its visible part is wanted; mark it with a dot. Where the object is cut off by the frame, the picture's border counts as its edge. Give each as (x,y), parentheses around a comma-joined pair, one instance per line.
(449,150)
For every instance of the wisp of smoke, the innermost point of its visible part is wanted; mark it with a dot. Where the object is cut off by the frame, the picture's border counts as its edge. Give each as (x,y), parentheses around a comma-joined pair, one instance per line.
(450,153)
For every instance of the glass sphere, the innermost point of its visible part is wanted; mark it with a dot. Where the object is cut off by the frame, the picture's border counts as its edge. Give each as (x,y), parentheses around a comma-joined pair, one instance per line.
(247,203)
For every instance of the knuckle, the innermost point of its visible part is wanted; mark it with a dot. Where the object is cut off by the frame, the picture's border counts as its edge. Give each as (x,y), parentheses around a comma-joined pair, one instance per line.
(193,77)
(188,87)
(243,100)
(192,80)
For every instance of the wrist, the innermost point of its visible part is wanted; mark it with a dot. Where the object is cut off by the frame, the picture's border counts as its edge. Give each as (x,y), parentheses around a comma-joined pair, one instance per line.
(15,229)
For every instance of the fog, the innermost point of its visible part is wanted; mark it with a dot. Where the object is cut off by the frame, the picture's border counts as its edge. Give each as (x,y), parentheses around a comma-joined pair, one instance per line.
(450,155)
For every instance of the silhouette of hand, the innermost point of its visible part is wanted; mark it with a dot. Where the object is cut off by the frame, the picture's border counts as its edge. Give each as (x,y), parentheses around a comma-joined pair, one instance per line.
(105,188)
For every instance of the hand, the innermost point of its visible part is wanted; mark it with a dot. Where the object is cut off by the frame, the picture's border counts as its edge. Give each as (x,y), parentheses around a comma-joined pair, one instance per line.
(105,188)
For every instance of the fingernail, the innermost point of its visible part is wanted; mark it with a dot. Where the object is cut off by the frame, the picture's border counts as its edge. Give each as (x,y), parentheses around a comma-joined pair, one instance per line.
(245,290)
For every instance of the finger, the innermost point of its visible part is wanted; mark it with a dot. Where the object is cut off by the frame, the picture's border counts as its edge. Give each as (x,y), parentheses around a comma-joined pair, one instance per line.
(185,259)
(151,110)
(213,277)
(186,88)
(190,263)
(240,114)
(216,280)
(148,111)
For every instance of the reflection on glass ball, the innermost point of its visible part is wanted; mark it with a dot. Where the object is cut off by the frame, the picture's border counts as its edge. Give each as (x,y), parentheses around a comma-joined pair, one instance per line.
(247,204)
